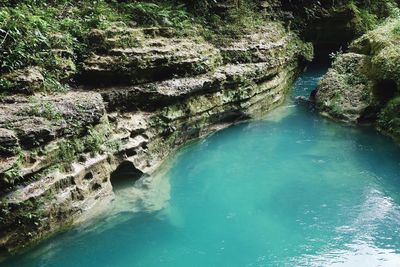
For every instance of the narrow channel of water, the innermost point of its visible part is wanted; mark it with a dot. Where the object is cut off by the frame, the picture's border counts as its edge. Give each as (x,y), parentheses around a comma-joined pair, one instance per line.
(293,189)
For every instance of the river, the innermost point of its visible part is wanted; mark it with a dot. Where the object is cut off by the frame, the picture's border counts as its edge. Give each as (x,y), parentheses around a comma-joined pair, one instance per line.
(291,189)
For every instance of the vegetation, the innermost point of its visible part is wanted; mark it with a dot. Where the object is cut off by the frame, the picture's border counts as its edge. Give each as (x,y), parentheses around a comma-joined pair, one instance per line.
(389,118)
(378,74)
(382,45)
(42,109)
(369,13)
(53,35)
(15,171)
(95,141)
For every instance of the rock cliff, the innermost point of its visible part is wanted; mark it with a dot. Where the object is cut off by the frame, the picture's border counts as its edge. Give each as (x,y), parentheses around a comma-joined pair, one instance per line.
(142,93)
(92,93)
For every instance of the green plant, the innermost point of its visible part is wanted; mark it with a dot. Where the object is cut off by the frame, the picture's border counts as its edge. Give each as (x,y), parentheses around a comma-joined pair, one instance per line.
(51,84)
(94,141)
(44,109)
(6,85)
(364,19)
(335,55)
(162,13)
(389,117)
(396,28)
(14,172)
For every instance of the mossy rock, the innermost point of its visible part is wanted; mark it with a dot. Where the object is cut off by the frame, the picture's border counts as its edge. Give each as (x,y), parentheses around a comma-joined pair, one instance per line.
(389,118)
(382,44)
(345,92)
(374,41)
(386,64)
(26,81)
(8,142)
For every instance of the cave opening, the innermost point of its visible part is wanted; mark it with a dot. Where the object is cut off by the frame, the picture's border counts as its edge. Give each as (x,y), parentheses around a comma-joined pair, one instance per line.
(329,25)
(384,90)
(125,175)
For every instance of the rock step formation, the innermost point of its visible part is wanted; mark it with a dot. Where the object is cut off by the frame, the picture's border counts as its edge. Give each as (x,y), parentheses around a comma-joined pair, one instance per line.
(138,104)
(134,56)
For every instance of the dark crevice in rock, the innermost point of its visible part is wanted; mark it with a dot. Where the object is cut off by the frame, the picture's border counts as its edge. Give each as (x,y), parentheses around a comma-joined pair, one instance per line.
(385,90)
(369,115)
(88,176)
(96,187)
(125,175)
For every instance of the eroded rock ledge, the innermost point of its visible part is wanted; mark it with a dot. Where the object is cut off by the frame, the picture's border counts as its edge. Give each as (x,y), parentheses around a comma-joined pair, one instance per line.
(136,104)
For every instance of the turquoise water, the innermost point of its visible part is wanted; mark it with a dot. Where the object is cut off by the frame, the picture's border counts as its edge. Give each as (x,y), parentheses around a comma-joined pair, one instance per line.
(293,189)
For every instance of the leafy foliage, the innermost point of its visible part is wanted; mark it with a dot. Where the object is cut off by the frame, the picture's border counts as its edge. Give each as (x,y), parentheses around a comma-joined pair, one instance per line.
(53,35)
(42,109)
(144,13)
(389,118)
(95,141)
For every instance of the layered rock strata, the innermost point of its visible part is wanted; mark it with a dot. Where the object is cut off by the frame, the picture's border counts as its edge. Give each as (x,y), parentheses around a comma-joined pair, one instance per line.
(143,93)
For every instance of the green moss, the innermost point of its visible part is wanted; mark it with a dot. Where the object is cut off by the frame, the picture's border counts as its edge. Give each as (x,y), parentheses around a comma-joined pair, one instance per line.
(364,20)
(389,118)
(14,172)
(95,141)
(44,109)
(386,64)
(381,45)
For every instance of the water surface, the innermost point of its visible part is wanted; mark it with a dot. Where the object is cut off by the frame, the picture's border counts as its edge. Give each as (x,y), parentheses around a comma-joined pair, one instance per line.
(293,189)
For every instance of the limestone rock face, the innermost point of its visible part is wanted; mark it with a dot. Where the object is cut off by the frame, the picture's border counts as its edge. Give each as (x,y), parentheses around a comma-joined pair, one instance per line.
(133,56)
(8,142)
(268,43)
(146,92)
(40,119)
(33,132)
(25,81)
(344,93)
